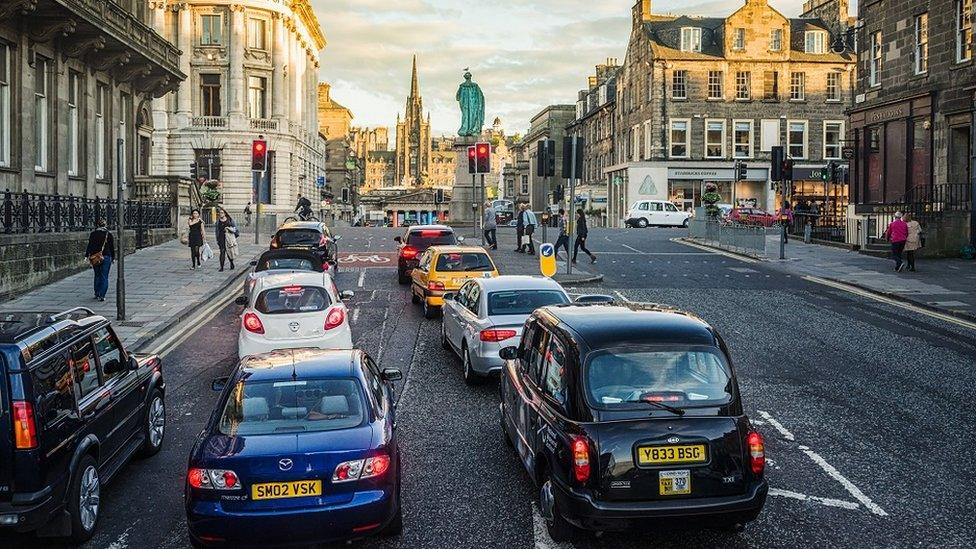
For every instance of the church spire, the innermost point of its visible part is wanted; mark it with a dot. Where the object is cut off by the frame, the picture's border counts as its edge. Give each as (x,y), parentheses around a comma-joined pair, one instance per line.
(414,85)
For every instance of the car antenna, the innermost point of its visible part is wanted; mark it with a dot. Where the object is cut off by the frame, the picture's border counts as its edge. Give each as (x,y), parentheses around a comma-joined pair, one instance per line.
(294,374)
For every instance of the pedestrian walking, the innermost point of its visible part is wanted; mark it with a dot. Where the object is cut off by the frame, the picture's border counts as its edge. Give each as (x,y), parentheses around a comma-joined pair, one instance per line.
(914,242)
(489,226)
(581,233)
(897,234)
(530,224)
(785,216)
(562,222)
(195,237)
(247,215)
(226,235)
(519,228)
(100,251)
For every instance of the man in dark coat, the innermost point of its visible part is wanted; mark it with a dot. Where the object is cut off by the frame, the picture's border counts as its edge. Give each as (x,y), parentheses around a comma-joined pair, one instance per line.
(519,227)
(101,245)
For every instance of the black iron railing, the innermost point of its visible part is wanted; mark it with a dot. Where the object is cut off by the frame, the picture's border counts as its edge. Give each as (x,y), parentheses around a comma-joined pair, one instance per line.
(25,212)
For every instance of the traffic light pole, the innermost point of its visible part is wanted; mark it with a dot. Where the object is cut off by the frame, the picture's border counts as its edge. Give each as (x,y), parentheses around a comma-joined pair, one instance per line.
(120,227)
(474,222)
(543,216)
(481,206)
(257,204)
(571,201)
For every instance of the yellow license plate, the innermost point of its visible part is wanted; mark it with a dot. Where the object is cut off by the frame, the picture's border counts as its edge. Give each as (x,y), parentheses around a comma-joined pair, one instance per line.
(293,489)
(666,455)
(674,483)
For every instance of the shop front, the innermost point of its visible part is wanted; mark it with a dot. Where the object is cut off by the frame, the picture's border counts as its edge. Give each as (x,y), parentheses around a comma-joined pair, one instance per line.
(829,198)
(686,185)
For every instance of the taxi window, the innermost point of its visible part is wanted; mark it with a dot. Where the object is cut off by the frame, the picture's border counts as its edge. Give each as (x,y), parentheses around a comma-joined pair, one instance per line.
(525,346)
(452,262)
(657,206)
(537,353)
(292,299)
(554,378)
(642,206)
(670,207)
(424,264)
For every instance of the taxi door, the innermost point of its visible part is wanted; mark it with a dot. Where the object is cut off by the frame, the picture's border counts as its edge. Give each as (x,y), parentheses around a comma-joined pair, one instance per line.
(421,274)
(525,397)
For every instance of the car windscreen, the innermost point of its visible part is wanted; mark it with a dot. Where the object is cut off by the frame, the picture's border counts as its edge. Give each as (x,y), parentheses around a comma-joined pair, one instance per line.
(292,299)
(292,406)
(425,239)
(299,237)
(522,302)
(628,378)
(290,263)
(464,261)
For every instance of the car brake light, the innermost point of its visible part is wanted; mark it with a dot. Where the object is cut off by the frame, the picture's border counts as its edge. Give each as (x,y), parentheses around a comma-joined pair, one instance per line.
(25,432)
(361,468)
(253,324)
(434,285)
(335,317)
(323,241)
(212,479)
(292,289)
(376,466)
(496,335)
(581,458)
(408,252)
(757,452)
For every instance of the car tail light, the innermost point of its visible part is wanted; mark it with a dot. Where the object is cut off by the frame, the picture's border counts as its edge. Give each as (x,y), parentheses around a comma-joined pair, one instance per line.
(253,324)
(581,458)
(212,479)
(434,285)
(496,335)
(757,452)
(323,241)
(356,469)
(25,431)
(408,252)
(335,317)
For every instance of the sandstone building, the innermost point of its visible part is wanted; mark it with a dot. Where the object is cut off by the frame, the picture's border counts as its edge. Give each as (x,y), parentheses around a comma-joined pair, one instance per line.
(594,123)
(335,126)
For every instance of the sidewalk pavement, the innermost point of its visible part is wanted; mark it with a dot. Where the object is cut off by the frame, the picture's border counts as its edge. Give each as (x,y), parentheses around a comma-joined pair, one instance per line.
(161,289)
(510,262)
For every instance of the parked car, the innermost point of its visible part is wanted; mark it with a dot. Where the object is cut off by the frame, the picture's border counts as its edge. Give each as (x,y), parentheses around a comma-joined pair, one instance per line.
(294,309)
(308,235)
(628,416)
(284,261)
(752,216)
(415,241)
(486,313)
(75,407)
(661,213)
(445,268)
(302,448)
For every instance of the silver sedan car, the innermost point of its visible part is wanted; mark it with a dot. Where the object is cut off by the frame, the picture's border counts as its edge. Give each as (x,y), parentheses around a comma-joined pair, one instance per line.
(486,314)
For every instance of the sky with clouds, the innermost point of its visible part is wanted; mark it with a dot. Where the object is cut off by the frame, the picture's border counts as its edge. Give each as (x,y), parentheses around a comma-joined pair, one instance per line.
(525,54)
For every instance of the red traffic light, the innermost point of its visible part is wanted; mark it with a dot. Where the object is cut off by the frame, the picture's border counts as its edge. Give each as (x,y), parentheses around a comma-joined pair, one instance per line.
(259,155)
(471,159)
(483,153)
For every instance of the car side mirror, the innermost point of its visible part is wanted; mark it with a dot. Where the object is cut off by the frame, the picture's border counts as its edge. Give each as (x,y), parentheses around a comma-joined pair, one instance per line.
(391,374)
(508,353)
(346,295)
(398,240)
(254,262)
(218,383)
(460,240)
(449,296)
(241,300)
(336,238)
(133,363)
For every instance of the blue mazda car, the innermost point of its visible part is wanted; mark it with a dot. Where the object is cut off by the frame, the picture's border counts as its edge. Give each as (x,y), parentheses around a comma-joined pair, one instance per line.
(301,449)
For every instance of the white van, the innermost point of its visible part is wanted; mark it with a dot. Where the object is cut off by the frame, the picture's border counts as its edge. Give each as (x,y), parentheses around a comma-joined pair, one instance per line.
(662,213)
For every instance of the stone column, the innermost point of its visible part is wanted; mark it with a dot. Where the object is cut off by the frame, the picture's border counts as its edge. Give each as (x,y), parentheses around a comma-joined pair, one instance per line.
(293,75)
(236,39)
(158,15)
(184,105)
(279,57)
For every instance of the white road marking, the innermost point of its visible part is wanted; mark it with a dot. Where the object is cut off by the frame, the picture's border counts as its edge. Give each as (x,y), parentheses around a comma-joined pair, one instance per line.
(829,502)
(776,425)
(848,485)
(123,540)
(541,535)
(718,252)
(362,278)
(355,315)
(622,297)
(632,249)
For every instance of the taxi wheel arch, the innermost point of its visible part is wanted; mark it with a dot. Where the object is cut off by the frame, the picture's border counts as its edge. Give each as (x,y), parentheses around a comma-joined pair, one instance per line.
(429,312)
(642,223)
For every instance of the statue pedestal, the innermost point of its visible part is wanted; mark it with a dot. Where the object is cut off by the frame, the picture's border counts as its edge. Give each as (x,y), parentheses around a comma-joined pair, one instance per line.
(464,194)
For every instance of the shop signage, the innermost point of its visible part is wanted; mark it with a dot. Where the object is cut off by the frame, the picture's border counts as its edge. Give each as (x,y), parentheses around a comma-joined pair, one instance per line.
(815,173)
(887,113)
(716,174)
(847,153)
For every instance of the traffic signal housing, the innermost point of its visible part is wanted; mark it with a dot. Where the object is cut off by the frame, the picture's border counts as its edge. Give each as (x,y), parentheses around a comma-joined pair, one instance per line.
(545,158)
(259,155)
(777,163)
(345,195)
(741,170)
(438,196)
(472,160)
(833,172)
(788,169)
(193,171)
(483,157)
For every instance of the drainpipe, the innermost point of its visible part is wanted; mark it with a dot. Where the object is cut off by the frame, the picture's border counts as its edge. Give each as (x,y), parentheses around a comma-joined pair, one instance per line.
(972,174)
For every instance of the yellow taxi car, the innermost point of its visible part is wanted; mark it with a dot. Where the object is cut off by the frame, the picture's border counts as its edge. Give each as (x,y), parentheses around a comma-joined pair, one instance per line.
(444,269)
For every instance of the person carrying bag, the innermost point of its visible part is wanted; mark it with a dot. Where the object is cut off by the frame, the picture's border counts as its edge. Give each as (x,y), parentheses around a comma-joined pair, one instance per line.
(100,251)
(226,235)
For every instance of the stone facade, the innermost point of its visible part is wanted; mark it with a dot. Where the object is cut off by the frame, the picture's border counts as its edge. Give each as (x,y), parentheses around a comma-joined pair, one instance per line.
(75,77)
(755,78)
(550,123)
(335,125)
(515,172)
(594,123)
(252,67)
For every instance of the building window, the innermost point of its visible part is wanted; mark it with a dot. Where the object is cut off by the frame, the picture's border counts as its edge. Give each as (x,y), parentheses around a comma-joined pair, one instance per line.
(101,131)
(815,41)
(964,30)
(255,33)
(797,86)
(690,39)
(5,117)
(833,133)
(796,138)
(210,30)
(874,74)
(739,39)
(743,85)
(679,85)
(742,138)
(42,86)
(524,185)
(776,40)
(715,84)
(635,143)
(74,137)
(771,86)
(210,94)
(833,86)
(650,88)
(256,97)
(647,140)
(679,137)
(715,139)
(921,43)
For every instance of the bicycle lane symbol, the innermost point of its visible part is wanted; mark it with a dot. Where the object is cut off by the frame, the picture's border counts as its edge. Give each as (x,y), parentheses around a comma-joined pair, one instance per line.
(365,259)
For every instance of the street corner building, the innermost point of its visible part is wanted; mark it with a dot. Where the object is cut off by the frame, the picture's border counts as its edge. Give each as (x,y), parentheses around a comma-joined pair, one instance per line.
(696,94)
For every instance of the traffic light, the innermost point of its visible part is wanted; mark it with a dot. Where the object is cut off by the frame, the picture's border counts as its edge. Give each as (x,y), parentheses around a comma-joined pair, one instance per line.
(569,169)
(788,169)
(777,163)
(557,194)
(438,196)
(833,170)
(741,170)
(193,171)
(483,157)
(472,160)
(345,195)
(545,165)
(259,155)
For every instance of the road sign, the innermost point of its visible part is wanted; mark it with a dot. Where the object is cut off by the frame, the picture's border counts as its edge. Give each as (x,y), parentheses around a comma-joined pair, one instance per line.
(547,259)
(351,164)
(847,153)
(320,181)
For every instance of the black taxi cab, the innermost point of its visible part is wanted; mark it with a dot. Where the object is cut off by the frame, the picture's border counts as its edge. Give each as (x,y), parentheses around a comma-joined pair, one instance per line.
(628,416)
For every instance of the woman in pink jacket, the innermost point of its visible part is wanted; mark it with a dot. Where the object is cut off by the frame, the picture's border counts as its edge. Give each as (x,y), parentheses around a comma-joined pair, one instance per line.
(897,234)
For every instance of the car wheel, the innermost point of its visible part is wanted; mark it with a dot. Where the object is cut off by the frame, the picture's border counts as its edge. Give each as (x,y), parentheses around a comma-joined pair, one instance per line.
(470,376)
(501,423)
(84,500)
(559,529)
(402,277)
(642,223)
(685,223)
(414,297)
(429,312)
(154,425)
(445,344)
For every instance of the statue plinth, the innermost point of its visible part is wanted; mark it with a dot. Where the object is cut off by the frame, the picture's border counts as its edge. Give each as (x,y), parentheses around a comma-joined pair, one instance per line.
(464,193)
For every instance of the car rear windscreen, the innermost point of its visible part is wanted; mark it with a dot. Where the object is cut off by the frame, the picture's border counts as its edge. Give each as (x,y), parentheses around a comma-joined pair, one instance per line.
(292,299)
(464,261)
(290,263)
(268,407)
(522,302)
(425,239)
(299,237)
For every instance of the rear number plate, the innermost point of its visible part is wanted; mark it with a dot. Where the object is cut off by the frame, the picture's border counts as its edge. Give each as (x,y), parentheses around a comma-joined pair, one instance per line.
(293,489)
(674,483)
(666,455)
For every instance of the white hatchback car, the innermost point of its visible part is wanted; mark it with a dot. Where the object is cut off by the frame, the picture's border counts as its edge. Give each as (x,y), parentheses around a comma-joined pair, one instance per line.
(294,310)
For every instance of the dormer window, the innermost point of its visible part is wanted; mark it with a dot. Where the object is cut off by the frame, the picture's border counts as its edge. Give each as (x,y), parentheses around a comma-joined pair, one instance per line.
(815,42)
(691,39)
(739,39)
(776,40)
